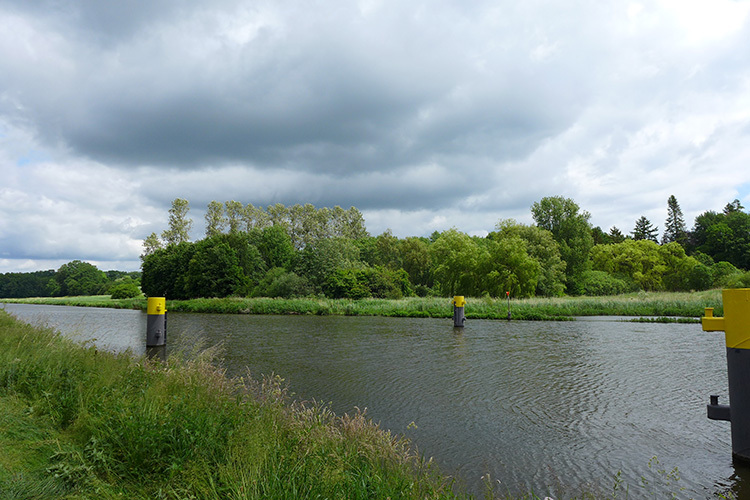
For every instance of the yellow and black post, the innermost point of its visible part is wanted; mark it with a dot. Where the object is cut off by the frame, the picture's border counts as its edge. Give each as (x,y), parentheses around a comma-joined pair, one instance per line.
(736,326)
(458,311)
(156,326)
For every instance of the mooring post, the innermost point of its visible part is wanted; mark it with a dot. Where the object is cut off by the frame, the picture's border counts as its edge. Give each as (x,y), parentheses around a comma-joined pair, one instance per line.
(156,324)
(458,311)
(736,326)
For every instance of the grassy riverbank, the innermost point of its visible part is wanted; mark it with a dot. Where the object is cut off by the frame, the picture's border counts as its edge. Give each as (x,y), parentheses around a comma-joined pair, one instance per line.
(652,304)
(78,423)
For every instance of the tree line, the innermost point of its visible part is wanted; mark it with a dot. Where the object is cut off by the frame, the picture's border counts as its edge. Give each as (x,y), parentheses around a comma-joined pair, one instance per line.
(73,278)
(303,250)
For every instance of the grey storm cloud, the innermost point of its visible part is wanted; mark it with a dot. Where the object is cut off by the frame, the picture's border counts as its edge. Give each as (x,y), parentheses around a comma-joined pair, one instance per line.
(153,84)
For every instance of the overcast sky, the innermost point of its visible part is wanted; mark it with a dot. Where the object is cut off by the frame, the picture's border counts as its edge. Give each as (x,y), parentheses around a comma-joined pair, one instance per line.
(424,115)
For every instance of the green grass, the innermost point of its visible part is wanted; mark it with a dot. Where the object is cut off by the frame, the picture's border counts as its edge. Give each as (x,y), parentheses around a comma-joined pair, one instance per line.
(651,304)
(78,423)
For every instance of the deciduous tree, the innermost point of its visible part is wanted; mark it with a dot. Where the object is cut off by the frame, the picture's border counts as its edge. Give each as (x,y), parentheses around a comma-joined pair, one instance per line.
(215,219)
(571,229)
(179,223)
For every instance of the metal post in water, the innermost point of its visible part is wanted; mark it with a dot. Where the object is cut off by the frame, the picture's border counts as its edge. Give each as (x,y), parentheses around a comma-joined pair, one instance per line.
(458,311)
(736,326)
(156,326)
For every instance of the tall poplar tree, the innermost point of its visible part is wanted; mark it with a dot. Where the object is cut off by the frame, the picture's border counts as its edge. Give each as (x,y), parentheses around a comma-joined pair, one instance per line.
(179,223)
(234,211)
(215,220)
(674,227)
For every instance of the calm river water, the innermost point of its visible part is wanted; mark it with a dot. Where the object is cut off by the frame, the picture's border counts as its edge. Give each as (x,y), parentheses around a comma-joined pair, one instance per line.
(551,407)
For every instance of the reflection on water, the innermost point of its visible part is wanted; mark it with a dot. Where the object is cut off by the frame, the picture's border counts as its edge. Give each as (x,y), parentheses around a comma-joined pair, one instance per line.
(546,406)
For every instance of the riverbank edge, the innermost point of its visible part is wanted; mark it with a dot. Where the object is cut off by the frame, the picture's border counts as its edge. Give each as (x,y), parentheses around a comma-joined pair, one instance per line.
(76,423)
(656,306)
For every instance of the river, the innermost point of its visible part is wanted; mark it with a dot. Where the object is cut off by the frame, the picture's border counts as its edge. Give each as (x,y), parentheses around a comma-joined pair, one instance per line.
(553,407)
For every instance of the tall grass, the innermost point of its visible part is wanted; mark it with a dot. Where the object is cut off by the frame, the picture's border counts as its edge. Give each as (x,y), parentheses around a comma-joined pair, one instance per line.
(658,304)
(80,423)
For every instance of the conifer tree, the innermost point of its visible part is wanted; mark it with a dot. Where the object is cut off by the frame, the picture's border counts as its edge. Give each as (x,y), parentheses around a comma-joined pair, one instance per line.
(644,230)
(615,235)
(674,227)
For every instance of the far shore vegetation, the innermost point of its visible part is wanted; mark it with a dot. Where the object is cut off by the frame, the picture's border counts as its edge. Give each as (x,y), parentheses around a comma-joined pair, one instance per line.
(651,306)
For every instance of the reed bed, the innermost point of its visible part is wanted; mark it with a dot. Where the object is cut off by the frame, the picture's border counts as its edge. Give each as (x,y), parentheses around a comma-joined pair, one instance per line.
(78,423)
(641,304)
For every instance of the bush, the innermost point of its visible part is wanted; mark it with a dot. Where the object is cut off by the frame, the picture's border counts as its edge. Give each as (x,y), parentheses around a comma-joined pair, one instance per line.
(700,277)
(738,280)
(601,283)
(723,273)
(362,283)
(278,282)
(126,289)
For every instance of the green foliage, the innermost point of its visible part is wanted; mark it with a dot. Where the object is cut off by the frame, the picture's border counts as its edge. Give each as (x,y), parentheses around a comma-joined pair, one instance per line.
(724,236)
(317,262)
(541,246)
(165,271)
(151,244)
(644,230)
(17,285)
(415,257)
(78,278)
(738,280)
(213,270)
(456,256)
(507,267)
(652,267)
(721,273)
(674,227)
(275,246)
(638,261)
(125,288)
(598,283)
(571,229)
(279,282)
(215,219)
(179,223)
(365,282)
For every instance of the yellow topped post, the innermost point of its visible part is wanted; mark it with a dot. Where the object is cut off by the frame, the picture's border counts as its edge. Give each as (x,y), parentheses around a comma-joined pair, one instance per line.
(156,322)
(736,327)
(736,321)
(157,305)
(458,311)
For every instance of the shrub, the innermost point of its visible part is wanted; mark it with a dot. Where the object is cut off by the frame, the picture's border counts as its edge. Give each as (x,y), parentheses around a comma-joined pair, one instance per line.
(125,290)
(278,282)
(723,273)
(738,280)
(602,283)
(700,277)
